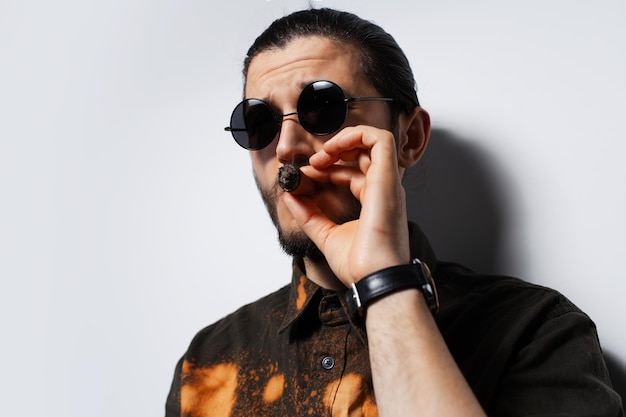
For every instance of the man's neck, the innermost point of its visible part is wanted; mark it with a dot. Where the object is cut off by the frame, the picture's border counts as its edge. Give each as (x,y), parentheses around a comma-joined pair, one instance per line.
(320,273)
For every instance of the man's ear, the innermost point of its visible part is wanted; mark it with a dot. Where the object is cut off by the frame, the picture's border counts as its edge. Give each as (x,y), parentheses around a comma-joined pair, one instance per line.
(413,135)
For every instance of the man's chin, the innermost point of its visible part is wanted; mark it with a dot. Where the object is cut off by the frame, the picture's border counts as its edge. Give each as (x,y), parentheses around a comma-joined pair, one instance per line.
(299,245)
(293,240)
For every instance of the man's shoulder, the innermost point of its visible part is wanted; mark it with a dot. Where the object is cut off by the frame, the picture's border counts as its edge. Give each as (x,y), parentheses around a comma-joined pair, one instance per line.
(462,286)
(244,325)
(502,328)
(498,309)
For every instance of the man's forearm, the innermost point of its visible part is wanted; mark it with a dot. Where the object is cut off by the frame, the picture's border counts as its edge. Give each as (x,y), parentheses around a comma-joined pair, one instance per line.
(412,369)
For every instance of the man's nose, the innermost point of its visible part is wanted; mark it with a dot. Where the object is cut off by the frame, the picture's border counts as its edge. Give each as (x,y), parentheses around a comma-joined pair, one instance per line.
(295,145)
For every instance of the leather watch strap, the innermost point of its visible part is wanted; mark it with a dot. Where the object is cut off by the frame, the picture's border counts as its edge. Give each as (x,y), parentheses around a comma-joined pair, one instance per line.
(388,280)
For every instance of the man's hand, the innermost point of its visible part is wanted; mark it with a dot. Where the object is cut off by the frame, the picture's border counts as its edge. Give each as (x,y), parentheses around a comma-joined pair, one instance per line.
(363,159)
(411,351)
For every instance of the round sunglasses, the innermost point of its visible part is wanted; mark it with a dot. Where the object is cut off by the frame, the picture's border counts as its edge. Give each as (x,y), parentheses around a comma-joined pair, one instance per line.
(322,109)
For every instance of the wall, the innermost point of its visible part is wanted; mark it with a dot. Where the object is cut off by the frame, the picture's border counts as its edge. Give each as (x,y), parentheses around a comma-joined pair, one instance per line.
(130,219)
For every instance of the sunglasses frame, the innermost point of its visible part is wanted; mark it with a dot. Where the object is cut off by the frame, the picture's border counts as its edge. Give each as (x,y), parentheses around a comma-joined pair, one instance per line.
(278,118)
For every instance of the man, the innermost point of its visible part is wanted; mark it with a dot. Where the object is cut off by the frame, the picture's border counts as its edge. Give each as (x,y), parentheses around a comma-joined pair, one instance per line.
(371,324)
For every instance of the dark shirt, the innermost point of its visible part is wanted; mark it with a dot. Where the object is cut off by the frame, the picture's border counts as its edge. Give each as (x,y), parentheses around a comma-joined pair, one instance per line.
(524,349)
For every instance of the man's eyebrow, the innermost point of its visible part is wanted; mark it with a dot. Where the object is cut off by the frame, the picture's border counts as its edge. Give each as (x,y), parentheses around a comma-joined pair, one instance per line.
(301,86)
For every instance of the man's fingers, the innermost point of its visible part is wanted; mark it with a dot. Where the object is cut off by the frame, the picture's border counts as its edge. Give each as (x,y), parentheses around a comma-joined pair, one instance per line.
(340,175)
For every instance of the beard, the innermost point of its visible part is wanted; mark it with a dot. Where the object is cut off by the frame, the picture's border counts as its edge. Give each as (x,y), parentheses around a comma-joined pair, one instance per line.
(295,242)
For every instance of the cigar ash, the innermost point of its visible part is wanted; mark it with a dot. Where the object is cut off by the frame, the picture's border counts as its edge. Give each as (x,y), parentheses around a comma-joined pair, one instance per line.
(292,180)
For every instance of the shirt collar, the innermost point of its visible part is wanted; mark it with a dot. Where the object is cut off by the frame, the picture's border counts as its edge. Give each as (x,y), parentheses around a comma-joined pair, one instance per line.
(304,290)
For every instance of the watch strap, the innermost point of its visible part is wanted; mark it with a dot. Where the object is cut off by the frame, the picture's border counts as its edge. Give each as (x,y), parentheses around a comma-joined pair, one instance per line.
(389,280)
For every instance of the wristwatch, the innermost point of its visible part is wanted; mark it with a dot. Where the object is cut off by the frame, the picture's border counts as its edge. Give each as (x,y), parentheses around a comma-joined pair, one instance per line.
(388,280)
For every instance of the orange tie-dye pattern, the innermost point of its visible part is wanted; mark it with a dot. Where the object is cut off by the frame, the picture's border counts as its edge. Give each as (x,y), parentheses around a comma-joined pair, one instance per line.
(208,391)
(301,293)
(274,388)
(346,398)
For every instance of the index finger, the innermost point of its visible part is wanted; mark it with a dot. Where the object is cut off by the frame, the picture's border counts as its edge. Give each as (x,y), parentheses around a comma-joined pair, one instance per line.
(349,144)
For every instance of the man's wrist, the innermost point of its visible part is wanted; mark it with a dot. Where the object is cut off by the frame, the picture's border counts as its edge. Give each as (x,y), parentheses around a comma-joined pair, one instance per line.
(390,280)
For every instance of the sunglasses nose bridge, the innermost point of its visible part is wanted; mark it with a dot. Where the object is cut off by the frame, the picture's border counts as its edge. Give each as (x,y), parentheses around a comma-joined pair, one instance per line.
(288,114)
(280,118)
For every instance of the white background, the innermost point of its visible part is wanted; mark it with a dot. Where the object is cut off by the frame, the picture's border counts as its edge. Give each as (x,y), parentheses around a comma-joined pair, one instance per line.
(129,219)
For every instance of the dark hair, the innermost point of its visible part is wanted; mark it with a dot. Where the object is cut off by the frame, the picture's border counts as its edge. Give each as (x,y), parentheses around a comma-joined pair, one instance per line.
(383,63)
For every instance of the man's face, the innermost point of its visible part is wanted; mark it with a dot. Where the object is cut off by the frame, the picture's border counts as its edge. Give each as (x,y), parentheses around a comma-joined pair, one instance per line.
(277,77)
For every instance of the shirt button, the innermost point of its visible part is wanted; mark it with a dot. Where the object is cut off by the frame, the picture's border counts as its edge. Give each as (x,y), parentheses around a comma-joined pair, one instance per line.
(328,363)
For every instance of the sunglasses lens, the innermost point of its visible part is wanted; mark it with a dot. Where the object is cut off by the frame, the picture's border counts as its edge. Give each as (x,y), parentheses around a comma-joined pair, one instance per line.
(322,108)
(253,124)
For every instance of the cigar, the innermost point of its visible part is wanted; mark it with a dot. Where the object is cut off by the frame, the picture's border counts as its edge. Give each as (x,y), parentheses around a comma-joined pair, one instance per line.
(292,180)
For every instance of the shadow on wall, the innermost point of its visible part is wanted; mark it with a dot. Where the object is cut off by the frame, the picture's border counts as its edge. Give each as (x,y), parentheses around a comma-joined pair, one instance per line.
(461,200)
(457,197)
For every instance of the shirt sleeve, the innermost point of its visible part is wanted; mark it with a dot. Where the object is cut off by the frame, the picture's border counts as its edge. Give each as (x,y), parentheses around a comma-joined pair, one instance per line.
(560,372)
(172,404)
